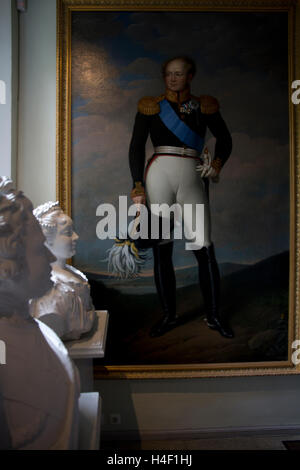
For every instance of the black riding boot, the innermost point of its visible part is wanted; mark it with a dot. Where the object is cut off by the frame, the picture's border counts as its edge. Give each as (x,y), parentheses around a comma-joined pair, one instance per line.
(165,282)
(209,278)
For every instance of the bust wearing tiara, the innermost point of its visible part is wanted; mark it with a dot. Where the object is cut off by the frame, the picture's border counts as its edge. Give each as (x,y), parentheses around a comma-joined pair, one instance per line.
(67,308)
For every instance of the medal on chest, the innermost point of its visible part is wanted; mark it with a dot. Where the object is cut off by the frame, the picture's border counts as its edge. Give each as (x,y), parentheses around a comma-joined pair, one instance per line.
(189,107)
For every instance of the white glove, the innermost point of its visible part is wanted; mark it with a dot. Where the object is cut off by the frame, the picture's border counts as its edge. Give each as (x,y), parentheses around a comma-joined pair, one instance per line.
(206,171)
(205,168)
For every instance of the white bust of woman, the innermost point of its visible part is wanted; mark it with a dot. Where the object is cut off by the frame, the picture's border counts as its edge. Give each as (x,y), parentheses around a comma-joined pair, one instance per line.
(67,308)
(39,385)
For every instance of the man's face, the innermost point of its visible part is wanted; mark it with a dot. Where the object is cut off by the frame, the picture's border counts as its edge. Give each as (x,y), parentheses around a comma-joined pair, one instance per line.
(176,76)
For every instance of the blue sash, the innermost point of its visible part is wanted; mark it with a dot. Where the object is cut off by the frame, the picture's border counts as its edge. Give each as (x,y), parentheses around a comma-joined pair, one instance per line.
(172,121)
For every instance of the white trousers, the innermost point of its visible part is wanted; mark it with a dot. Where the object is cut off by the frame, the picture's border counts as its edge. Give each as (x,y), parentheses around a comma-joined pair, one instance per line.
(174,180)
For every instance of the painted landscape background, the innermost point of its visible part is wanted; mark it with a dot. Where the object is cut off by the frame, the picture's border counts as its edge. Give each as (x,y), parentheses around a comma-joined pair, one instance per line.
(242,60)
(254,298)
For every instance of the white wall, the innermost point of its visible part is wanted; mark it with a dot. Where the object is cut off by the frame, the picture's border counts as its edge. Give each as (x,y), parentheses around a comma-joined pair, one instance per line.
(37,110)
(9,75)
(153,406)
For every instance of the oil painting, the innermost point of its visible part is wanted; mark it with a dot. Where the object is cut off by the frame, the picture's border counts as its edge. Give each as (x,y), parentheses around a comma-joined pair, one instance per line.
(242,74)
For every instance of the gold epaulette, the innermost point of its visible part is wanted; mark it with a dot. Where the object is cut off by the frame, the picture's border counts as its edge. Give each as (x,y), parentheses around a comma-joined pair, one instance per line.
(149,105)
(208,104)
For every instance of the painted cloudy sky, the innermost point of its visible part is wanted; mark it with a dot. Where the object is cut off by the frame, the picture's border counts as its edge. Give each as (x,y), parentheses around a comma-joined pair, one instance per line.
(241,60)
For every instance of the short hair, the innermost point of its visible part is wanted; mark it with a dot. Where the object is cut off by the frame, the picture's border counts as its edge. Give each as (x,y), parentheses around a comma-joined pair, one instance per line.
(13,216)
(187,60)
(47,214)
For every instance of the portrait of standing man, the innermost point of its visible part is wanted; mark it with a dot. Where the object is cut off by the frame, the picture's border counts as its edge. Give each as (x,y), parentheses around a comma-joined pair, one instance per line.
(141,127)
(177,122)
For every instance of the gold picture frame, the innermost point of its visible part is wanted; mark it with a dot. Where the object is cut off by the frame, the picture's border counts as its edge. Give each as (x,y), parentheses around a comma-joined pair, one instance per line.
(65,8)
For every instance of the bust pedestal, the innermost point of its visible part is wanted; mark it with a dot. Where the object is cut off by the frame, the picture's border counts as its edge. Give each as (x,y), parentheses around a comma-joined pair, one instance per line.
(90,346)
(89,421)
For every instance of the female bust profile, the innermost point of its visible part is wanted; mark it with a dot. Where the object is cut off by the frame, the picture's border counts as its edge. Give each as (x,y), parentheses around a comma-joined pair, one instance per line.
(39,385)
(67,308)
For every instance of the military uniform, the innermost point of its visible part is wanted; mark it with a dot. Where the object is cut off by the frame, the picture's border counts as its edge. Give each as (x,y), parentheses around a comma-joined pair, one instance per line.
(171,177)
(199,113)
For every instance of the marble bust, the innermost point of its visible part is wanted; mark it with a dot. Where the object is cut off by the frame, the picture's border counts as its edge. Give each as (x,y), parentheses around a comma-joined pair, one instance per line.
(67,307)
(39,384)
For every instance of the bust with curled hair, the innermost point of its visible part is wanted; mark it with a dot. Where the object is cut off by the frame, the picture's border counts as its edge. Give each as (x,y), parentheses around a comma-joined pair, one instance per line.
(39,386)
(18,275)
(12,231)
(67,308)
